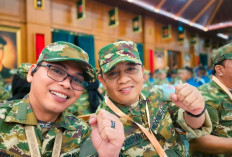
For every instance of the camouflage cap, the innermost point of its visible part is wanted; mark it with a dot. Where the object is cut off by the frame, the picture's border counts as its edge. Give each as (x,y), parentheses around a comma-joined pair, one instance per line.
(117,52)
(23,70)
(224,52)
(64,51)
(146,72)
(163,71)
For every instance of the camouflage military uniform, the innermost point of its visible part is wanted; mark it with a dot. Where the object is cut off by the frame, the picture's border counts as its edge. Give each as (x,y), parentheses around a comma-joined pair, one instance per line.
(15,115)
(4,93)
(146,86)
(219,104)
(163,114)
(161,82)
(23,70)
(81,106)
(136,143)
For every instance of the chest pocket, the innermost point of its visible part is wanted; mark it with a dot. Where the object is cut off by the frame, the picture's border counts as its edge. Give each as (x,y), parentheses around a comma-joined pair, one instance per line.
(226,113)
(133,140)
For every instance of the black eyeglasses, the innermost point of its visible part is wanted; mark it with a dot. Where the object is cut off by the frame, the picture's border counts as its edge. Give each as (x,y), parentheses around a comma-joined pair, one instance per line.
(60,75)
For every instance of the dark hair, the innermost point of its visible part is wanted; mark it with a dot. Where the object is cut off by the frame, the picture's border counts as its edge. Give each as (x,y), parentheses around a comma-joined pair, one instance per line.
(219,63)
(189,69)
(94,95)
(20,87)
(202,70)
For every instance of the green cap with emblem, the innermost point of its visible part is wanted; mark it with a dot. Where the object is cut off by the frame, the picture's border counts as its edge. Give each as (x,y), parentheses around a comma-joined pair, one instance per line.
(117,52)
(65,51)
(224,52)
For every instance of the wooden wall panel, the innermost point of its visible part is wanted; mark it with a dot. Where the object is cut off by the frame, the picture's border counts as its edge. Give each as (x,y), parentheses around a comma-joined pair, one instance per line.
(12,12)
(61,14)
(32,29)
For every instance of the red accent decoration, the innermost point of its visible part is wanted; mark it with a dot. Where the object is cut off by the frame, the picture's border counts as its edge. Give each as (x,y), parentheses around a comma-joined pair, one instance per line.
(80,9)
(197,60)
(39,44)
(151,58)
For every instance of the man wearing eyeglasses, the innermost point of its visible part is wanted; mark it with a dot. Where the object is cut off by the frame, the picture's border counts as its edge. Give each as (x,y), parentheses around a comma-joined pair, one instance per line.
(37,125)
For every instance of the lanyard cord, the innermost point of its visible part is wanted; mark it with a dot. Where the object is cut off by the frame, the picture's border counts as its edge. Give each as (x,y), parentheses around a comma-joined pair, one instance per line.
(150,136)
(33,144)
(218,82)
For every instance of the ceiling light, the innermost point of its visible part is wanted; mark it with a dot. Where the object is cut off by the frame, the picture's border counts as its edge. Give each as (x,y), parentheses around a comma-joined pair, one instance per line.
(205,29)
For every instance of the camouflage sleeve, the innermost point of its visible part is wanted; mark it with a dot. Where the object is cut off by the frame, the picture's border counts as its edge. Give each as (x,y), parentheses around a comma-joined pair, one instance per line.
(194,133)
(214,115)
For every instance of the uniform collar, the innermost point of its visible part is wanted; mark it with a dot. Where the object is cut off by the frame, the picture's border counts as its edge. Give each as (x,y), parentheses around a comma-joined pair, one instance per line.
(21,112)
(127,109)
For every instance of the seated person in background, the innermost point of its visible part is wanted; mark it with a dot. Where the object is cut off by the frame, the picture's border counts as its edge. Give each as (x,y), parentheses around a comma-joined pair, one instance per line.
(20,87)
(37,125)
(146,83)
(218,98)
(122,76)
(162,77)
(154,76)
(186,75)
(201,76)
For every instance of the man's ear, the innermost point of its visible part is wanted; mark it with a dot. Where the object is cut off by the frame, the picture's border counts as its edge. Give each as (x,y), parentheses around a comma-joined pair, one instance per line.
(30,73)
(101,80)
(219,70)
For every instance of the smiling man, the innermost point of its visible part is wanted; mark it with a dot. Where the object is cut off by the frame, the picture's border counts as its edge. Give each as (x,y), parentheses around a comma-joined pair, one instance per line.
(122,76)
(37,125)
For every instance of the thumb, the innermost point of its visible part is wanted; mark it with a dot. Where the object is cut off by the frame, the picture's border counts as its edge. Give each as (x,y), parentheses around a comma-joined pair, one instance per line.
(173,97)
(93,120)
(95,136)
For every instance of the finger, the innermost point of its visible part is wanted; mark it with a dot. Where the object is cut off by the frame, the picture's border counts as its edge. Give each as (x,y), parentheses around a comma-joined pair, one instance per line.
(179,87)
(173,97)
(104,119)
(110,134)
(189,100)
(93,119)
(107,124)
(197,104)
(185,92)
(103,114)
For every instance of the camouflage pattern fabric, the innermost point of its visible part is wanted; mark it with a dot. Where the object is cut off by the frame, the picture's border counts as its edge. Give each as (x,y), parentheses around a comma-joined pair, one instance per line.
(4,93)
(15,115)
(225,52)
(64,51)
(23,70)
(163,118)
(81,106)
(161,82)
(219,106)
(146,88)
(117,52)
